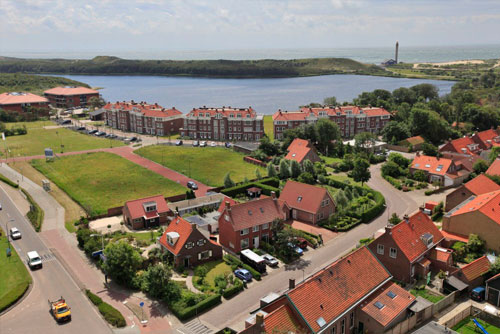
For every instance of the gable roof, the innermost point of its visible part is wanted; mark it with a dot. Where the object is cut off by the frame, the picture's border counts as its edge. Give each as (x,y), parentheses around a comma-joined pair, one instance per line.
(475,269)
(283,320)
(484,203)
(440,254)
(303,196)
(486,138)
(497,276)
(392,307)
(298,149)
(70,90)
(334,290)
(237,113)
(407,235)
(494,168)
(432,165)
(136,208)
(253,213)
(481,184)
(183,228)
(146,109)
(461,145)
(414,140)
(20,97)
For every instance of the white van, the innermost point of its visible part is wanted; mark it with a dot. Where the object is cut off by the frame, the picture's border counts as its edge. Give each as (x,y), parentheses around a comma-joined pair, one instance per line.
(34,260)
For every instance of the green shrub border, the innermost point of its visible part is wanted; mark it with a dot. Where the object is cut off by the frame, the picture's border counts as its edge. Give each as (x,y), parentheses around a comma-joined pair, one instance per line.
(228,293)
(230,259)
(36,214)
(11,183)
(189,312)
(267,185)
(110,314)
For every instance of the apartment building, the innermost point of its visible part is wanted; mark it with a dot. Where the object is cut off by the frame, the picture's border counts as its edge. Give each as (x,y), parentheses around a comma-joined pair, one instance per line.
(70,96)
(21,102)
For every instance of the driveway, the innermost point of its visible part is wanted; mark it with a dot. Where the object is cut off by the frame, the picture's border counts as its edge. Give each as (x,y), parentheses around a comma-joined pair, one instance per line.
(326,234)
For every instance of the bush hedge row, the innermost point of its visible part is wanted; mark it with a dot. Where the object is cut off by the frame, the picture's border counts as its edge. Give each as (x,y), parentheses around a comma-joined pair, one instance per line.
(36,214)
(110,314)
(395,182)
(375,210)
(230,259)
(191,311)
(228,293)
(267,185)
(8,181)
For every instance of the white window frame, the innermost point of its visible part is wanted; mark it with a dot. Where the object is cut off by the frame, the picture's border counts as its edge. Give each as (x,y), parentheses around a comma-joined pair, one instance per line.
(244,231)
(393,250)
(246,240)
(380,249)
(342,326)
(265,226)
(255,228)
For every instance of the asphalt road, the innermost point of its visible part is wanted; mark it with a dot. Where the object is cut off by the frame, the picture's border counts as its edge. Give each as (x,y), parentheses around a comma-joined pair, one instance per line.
(52,281)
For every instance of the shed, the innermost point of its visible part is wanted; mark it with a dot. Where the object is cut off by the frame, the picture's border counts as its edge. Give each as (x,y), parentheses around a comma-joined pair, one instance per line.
(97,115)
(493,290)
(254,192)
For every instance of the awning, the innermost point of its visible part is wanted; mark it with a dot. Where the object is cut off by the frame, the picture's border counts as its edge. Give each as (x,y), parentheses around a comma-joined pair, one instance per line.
(456,283)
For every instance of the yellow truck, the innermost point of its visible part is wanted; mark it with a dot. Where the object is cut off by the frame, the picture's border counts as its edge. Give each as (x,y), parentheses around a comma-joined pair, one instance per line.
(60,310)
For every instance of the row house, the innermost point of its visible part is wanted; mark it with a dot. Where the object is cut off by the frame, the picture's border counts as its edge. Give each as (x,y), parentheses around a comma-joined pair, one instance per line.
(223,124)
(350,119)
(477,186)
(355,294)
(445,171)
(70,96)
(22,102)
(477,144)
(144,118)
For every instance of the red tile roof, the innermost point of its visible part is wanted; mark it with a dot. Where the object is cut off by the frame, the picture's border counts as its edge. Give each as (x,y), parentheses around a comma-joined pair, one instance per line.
(431,164)
(292,115)
(70,91)
(475,269)
(407,235)
(454,236)
(461,145)
(494,168)
(392,306)
(148,110)
(313,113)
(484,203)
(222,205)
(183,228)
(341,285)
(415,140)
(486,138)
(18,98)
(283,320)
(298,149)
(256,212)
(440,255)
(136,207)
(303,196)
(237,113)
(493,278)
(481,184)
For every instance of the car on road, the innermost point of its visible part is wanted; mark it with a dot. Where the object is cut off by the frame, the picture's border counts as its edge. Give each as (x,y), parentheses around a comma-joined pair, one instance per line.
(60,310)
(297,249)
(192,185)
(100,133)
(111,136)
(196,143)
(270,260)
(227,145)
(15,233)
(130,140)
(213,144)
(34,260)
(203,144)
(91,132)
(178,143)
(80,128)
(243,275)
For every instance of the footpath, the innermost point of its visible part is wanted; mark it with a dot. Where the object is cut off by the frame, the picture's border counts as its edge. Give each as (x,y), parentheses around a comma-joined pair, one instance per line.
(64,246)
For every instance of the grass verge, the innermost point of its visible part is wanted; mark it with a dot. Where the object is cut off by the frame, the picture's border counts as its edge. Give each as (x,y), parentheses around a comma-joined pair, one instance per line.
(467,326)
(424,293)
(36,214)
(110,314)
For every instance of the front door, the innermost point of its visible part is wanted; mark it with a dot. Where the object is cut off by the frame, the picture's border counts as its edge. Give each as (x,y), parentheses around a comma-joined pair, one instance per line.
(294,214)
(361,327)
(186,262)
(255,242)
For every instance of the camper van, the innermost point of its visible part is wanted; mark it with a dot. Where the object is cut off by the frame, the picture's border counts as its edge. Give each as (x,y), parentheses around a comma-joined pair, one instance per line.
(253,260)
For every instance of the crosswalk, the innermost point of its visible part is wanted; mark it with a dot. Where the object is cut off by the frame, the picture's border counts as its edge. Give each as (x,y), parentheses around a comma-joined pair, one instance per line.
(194,327)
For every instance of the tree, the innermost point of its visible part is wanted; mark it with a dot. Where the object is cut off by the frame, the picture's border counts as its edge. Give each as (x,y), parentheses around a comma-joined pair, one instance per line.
(306,177)
(495,267)
(341,200)
(284,172)
(394,220)
(480,166)
(295,169)
(330,101)
(404,94)
(228,183)
(364,141)
(420,176)
(122,262)
(96,102)
(428,124)
(285,242)
(427,91)
(327,131)
(271,171)
(399,159)
(475,244)
(154,280)
(190,194)
(394,132)
(361,172)
(495,151)
(390,168)
(429,149)
(268,147)
(257,174)
(309,167)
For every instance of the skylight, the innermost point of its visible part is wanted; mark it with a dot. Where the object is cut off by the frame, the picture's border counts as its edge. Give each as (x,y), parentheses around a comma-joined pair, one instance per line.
(299,199)
(391,294)
(379,305)
(427,166)
(417,165)
(293,155)
(321,322)
(439,168)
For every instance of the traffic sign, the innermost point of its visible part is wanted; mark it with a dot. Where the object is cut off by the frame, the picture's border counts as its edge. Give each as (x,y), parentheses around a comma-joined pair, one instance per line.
(141,304)
(97,253)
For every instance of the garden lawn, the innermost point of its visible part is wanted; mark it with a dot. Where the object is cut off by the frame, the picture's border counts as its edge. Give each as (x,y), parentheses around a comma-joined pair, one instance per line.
(343,178)
(330,160)
(37,139)
(216,268)
(208,165)
(269,126)
(14,277)
(432,297)
(466,326)
(99,181)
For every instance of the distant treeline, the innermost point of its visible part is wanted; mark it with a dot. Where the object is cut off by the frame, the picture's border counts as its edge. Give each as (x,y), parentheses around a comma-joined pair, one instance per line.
(36,84)
(104,65)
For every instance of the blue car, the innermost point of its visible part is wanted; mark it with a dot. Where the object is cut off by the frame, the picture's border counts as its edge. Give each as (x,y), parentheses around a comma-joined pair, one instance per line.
(243,274)
(297,249)
(478,293)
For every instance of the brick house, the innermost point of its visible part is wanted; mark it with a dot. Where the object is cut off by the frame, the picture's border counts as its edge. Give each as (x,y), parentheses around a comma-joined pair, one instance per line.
(494,168)
(416,142)
(442,170)
(146,212)
(22,102)
(151,119)
(245,225)
(477,186)
(403,248)
(472,273)
(350,119)
(301,150)
(70,96)
(352,295)
(189,245)
(477,144)
(479,215)
(223,124)
(308,203)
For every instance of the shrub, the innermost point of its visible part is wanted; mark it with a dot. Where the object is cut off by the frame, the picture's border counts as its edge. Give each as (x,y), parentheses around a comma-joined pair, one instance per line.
(96,300)
(375,210)
(8,181)
(110,314)
(184,313)
(35,215)
(232,260)
(230,292)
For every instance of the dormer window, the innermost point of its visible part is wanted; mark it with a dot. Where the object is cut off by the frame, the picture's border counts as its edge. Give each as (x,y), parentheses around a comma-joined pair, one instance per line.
(172,238)
(149,206)
(299,199)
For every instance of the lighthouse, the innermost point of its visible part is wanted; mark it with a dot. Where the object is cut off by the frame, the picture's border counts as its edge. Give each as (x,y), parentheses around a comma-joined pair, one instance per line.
(397,50)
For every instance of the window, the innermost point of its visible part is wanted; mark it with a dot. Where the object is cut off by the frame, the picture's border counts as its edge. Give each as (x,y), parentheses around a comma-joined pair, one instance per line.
(391,294)
(226,217)
(244,231)
(333,329)
(189,245)
(342,326)
(380,249)
(379,305)
(393,252)
(265,226)
(351,322)
(204,255)
(255,229)
(299,199)
(201,242)
(244,243)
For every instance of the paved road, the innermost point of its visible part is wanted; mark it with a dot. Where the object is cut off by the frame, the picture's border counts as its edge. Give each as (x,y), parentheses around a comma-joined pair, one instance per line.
(233,312)
(32,314)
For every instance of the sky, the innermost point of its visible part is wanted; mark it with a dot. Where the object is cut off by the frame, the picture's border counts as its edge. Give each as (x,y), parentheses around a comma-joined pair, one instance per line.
(117,25)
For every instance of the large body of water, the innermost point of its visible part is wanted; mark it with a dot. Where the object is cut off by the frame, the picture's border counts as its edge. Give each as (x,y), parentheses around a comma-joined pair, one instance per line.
(266,96)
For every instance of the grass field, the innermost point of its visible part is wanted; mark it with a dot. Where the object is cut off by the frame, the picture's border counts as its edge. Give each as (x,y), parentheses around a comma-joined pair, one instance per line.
(98,181)
(269,126)
(39,138)
(14,277)
(208,165)
(466,326)
(432,297)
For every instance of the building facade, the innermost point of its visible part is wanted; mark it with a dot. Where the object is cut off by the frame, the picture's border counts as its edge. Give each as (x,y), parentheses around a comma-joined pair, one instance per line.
(70,96)
(146,212)
(23,102)
(144,118)
(223,124)
(477,186)
(350,119)
(301,150)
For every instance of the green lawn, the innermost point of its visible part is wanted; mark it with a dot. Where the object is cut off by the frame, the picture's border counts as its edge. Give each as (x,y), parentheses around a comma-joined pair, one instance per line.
(330,160)
(466,326)
(343,178)
(269,126)
(430,296)
(98,181)
(14,277)
(38,138)
(208,165)
(217,268)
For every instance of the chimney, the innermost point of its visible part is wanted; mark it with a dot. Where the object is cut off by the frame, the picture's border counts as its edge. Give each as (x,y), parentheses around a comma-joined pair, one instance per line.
(406,219)
(273,195)
(259,319)
(228,206)
(418,153)
(388,229)
(291,284)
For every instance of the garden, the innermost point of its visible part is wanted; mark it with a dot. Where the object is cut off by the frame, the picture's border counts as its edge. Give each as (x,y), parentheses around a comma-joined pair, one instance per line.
(99,181)
(423,292)
(467,326)
(217,277)
(396,172)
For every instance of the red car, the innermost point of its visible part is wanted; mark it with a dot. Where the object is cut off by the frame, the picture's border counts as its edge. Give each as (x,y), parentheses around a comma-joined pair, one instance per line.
(302,243)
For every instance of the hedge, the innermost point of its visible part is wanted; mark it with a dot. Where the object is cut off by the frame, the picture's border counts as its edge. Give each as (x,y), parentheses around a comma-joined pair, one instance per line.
(267,185)
(8,181)
(191,311)
(110,314)
(230,259)
(395,182)
(344,228)
(270,181)
(375,210)
(36,214)
(228,293)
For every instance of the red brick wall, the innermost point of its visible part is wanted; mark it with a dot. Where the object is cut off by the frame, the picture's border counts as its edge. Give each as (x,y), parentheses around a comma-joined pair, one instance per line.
(192,253)
(19,108)
(398,267)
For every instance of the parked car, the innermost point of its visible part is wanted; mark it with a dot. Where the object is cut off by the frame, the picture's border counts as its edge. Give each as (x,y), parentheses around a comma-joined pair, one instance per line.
(15,234)
(65,122)
(178,143)
(302,243)
(111,136)
(196,143)
(91,132)
(243,274)
(100,133)
(227,144)
(213,144)
(80,128)
(34,260)
(270,260)
(478,293)
(192,185)
(203,144)
(297,249)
